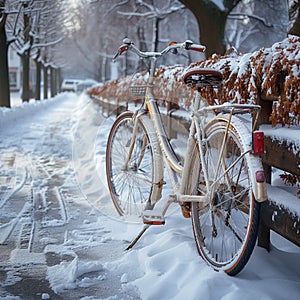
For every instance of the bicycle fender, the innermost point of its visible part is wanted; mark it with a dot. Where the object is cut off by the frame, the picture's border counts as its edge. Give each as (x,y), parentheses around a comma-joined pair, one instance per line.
(259,188)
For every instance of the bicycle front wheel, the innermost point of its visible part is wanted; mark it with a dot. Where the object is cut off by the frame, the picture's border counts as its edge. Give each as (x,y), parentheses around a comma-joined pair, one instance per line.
(225,228)
(130,184)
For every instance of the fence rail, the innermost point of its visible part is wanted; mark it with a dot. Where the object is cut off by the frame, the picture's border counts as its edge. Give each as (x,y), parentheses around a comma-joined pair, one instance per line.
(279,154)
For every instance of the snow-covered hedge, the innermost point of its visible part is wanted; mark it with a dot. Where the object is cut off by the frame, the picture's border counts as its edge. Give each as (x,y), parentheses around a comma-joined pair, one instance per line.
(271,73)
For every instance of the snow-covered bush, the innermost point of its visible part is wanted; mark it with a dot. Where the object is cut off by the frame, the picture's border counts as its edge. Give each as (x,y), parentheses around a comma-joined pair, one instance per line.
(271,73)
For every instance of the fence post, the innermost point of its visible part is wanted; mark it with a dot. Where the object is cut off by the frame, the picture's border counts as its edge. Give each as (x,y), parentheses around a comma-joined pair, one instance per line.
(264,230)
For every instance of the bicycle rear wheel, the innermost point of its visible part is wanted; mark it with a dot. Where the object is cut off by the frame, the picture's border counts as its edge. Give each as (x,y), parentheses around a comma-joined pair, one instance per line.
(130,185)
(225,228)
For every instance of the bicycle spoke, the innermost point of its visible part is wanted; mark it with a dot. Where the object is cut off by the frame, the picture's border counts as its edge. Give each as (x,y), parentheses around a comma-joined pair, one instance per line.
(129,166)
(222,228)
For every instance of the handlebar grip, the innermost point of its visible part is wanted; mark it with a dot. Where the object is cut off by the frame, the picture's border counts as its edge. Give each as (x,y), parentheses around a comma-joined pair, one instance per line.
(196,47)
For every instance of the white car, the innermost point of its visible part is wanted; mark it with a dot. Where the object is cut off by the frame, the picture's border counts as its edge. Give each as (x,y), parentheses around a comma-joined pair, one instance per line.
(85,84)
(70,85)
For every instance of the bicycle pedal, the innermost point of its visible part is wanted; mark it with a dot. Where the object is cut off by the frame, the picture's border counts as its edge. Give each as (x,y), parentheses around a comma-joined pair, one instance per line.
(152,218)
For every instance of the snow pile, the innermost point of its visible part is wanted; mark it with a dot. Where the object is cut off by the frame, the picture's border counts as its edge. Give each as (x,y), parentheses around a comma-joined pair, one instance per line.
(70,275)
(171,269)
(16,113)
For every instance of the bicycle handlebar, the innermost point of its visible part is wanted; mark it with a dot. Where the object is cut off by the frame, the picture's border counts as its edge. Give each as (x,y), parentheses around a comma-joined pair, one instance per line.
(129,45)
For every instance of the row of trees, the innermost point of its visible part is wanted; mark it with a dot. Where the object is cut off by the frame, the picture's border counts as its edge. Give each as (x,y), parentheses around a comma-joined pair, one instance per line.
(33,28)
(245,24)
(72,35)
(80,37)
(103,25)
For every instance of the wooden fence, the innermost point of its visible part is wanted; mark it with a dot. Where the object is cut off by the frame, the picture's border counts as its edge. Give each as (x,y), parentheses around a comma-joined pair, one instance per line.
(278,217)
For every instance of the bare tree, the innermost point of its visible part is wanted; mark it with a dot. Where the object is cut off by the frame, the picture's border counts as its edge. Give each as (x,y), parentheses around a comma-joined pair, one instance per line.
(295,17)
(246,24)
(255,24)
(157,12)
(101,26)
(32,27)
(4,79)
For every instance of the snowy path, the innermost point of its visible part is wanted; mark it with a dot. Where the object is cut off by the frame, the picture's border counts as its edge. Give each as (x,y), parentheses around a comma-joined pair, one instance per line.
(49,233)
(60,236)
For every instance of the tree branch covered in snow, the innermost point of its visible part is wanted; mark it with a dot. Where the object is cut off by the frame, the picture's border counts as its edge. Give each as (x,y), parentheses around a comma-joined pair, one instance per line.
(153,11)
(40,30)
(241,16)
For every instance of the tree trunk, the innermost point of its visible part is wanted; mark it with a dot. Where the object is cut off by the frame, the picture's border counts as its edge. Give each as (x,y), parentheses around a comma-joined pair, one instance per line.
(211,22)
(25,78)
(59,80)
(4,74)
(295,30)
(212,32)
(51,82)
(142,46)
(26,60)
(38,80)
(55,82)
(45,72)
(104,61)
(155,35)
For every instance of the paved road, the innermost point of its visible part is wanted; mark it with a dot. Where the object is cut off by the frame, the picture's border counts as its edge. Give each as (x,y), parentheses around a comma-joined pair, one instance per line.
(46,222)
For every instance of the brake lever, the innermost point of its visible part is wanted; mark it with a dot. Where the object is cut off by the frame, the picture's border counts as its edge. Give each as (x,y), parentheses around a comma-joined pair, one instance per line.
(189,45)
(173,51)
(115,56)
(124,47)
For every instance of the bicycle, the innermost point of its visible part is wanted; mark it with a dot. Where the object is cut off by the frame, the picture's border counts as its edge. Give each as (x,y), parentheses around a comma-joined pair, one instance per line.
(220,184)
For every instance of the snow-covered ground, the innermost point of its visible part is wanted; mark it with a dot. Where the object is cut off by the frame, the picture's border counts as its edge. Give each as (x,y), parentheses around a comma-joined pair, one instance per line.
(58,226)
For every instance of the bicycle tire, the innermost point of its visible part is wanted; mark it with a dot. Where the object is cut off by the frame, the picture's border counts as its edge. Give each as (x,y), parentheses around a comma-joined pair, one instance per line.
(131,188)
(225,229)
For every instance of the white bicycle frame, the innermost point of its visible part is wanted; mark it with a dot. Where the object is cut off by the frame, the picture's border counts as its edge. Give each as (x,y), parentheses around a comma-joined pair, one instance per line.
(170,160)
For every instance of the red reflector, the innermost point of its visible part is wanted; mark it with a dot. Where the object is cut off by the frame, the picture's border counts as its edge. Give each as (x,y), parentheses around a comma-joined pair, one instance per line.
(258,143)
(260,176)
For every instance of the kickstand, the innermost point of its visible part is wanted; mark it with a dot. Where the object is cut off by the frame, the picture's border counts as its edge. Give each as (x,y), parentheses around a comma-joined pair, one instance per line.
(138,237)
